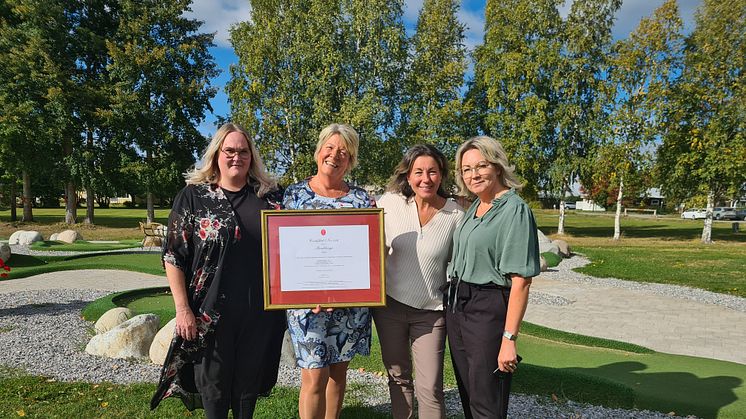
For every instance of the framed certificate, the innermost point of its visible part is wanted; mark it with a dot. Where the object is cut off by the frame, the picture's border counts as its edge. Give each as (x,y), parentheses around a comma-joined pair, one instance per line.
(330,257)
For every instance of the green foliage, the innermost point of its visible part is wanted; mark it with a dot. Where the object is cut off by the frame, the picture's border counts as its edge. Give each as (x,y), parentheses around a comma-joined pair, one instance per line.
(432,111)
(704,147)
(342,61)
(160,70)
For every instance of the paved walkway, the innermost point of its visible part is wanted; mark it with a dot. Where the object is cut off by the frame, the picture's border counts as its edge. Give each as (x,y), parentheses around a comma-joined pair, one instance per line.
(662,323)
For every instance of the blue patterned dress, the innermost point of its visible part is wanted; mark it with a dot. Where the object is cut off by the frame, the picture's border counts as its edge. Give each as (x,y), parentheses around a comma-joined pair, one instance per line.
(327,338)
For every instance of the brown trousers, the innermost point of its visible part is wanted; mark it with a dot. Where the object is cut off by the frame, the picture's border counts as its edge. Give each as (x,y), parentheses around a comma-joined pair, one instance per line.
(401,327)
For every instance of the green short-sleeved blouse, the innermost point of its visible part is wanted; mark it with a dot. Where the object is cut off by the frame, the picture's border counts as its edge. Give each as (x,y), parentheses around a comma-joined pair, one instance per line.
(501,242)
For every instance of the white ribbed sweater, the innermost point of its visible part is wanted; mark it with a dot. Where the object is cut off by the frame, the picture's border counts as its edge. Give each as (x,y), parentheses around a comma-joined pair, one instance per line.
(417,257)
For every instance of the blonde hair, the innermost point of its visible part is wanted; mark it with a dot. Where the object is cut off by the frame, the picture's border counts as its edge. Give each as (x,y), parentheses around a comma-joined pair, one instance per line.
(209,173)
(494,153)
(349,136)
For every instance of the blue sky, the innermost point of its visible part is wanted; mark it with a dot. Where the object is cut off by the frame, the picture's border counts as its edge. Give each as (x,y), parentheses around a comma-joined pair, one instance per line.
(219,15)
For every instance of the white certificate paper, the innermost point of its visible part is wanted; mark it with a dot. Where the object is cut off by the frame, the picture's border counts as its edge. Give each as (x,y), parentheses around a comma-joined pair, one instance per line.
(324,258)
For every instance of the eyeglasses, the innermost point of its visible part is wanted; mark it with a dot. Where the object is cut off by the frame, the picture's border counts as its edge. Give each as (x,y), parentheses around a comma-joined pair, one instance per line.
(467,172)
(231,153)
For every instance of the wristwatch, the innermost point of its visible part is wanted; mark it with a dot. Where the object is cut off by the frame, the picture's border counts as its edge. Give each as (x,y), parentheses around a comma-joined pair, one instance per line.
(509,336)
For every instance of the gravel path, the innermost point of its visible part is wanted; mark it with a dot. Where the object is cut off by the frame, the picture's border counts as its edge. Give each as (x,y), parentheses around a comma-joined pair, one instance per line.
(41,332)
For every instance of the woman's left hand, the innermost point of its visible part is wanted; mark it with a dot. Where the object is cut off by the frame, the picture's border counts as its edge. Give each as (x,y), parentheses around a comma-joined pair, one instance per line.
(507,359)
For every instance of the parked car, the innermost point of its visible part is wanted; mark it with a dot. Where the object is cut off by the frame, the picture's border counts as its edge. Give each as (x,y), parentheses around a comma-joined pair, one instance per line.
(724,213)
(741,214)
(695,213)
(570,205)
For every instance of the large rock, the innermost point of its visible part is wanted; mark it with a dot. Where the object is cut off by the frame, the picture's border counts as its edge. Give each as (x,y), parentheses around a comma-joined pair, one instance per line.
(549,247)
(288,353)
(564,248)
(69,236)
(161,342)
(112,319)
(130,339)
(24,237)
(542,238)
(543,263)
(53,237)
(4,252)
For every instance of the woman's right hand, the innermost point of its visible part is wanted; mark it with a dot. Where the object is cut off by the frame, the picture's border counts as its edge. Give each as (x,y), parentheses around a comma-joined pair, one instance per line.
(186,324)
(319,308)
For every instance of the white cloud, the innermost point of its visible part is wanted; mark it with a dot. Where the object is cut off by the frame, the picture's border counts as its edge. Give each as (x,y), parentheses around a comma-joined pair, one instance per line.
(473,27)
(219,15)
(632,11)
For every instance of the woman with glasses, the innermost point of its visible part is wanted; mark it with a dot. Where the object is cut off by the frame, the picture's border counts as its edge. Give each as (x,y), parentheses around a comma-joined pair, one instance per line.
(495,255)
(226,348)
(325,341)
(419,229)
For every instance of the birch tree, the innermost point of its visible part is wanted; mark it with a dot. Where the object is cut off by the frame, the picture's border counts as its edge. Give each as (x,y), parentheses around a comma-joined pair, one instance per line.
(644,66)
(704,149)
(433,111)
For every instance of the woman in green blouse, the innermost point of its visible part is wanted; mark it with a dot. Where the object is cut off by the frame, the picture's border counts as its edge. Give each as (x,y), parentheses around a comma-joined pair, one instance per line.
(495,255)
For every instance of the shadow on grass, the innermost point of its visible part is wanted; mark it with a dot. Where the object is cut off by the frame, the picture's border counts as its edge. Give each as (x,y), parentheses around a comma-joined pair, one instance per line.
(681,392)
(665,232)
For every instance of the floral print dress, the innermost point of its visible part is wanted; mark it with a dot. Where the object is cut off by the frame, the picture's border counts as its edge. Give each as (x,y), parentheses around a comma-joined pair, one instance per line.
(201,227)
(327,338)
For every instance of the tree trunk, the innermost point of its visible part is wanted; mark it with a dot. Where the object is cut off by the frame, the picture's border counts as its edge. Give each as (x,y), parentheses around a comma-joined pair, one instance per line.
(71,204)
(89,201)
(151,209)
(618,216)
(13,208)
(561,223)
(90,198)
(28,215)
(707,229)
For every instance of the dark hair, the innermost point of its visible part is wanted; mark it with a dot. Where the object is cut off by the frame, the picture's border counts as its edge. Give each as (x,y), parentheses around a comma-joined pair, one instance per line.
(398,182)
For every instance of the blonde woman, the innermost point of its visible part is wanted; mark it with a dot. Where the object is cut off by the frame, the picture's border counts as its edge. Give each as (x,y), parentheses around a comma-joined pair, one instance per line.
(226,349)
(495,255)
(326,340)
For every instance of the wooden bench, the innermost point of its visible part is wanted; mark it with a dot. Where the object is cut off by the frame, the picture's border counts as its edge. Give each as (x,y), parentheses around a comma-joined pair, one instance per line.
(153,233)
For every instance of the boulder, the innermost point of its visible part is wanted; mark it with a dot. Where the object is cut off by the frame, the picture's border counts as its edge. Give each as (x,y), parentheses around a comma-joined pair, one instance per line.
(69,236)
(543,263)
(53,237)
(564,248)
(549,247)
(25,238)
(542,237)
(130,339)
(4,252)
(288,353)
(161,342)
(112,319)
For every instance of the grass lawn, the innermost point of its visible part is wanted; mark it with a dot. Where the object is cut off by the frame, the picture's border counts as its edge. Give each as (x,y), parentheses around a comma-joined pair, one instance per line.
(662,250)
(37,397)
(564,365)
(83,246)
(24,265)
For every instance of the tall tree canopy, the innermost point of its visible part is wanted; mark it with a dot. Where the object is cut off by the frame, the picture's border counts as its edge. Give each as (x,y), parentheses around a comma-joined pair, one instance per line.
(160,69)
(432,109)
(704,148)
(342,61)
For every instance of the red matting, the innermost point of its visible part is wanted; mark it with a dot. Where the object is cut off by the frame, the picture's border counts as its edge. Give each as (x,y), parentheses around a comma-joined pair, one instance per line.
(356,297)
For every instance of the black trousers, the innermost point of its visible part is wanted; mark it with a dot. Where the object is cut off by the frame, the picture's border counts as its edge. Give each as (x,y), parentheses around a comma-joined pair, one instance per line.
(228,375)
(475,321)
